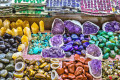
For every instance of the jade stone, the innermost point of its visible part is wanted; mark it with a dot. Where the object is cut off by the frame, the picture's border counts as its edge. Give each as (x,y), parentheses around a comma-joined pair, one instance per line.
(106,50)
(101,45)
(110,33)
(116,49)
(112,54)
(106,56)
(110,45)
(105,36)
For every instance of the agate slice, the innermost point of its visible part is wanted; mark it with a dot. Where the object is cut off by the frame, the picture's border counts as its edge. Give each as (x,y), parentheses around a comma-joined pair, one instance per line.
(95,68)
(56,41)
(112,26)
(90,28)
(73,26)
(19,66)
(54,75)
(53,52)
(93,52)
(57,26)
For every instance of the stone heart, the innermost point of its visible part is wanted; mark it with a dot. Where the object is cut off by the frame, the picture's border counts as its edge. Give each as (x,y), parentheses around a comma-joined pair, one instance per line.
(71,68)
(78,71)
(71,76)
(60,71)
(79,77)
(89,77)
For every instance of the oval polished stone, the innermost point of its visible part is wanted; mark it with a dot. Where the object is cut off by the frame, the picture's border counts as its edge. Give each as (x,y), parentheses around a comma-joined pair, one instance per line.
(105,56)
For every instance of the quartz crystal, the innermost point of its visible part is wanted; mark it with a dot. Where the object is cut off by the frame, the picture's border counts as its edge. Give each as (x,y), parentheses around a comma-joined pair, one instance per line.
(90,28)
(73,26)
(19,31)
(95,67)
(27,32)
(41,24)
(6,24)
(56,40)
(93,50)
(53,52)
(35,28)
(58,27)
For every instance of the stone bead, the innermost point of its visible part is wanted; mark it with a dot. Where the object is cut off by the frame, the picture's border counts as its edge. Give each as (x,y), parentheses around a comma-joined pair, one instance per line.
(102,39)
(92,42)
(74,36)
(110,33)
(112,40)
(6,24)
(94,38)
(9,31)
(103,33)
(105,56)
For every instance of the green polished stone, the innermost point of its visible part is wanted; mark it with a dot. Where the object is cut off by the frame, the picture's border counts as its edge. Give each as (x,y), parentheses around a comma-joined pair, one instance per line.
(101,45)
(118,44)
(110,33)
(102,39)
(105,36)
(106,56)
(91,42)
(118,52)
(95,38)
(116,49)
(97,43)
(103,33)
(119,36)
(106,50)
(112,40)
(115,34)
(110,45)
(112,54)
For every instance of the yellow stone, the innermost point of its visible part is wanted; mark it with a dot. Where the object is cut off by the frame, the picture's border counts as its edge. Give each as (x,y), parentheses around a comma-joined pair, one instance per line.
(9,31)
(24,40)
(1,24)
(19,22)
(18,74)
(26,24)
(41,24)
(19,31)
(2,31)
(27,32)
(17,54)
(6,24)
(26,78)
(14,32)
(13,25)
(35,28)
(21,47)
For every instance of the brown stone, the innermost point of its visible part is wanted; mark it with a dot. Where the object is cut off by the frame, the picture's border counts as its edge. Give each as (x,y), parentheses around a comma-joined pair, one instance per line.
(71,76)
(86,68)
(80,77)
(78,71)
(66,71)
(84,77)
(82,60)
(83,41)
(84,71)
(87,60)
(77,57)
(64,64)
(67,64)
(71,68)
(89,76)
(66,79)
(64,76)
(79,64)
(60,71)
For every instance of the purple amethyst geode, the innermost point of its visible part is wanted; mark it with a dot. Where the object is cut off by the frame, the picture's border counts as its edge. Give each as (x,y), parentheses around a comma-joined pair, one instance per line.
(58,27)
(112,26)
(57,40)
(53,52)
(95,66)
(93,50)
(90,28)
(73,26)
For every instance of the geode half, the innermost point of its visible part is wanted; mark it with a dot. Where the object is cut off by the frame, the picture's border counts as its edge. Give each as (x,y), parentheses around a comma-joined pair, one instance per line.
(90,28)
(112,26)
(53,52)
(93,52)
(57,26)
(57,41)
(73,26)
(95,68)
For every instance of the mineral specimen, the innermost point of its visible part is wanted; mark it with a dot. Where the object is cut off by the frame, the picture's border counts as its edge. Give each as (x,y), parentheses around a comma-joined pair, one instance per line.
(90,28)
(35,28)
(57,27)
(57,41)
(73,26)
(53,52)
(41,24)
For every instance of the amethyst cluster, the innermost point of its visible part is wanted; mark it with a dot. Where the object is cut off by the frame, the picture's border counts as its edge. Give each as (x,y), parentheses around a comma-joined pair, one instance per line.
(56,40)
(73,26)
(95,68)
(75,44)
(112,26)
(53,52)
(90,28)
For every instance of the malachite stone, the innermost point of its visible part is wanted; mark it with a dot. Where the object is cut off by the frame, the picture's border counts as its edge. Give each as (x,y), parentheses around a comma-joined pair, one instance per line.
(110,45)
(116,49)
(105,36)
(112,54)
(91,42)
(101,45)
(97,43)
(106,56)
(110,33)
(106,50)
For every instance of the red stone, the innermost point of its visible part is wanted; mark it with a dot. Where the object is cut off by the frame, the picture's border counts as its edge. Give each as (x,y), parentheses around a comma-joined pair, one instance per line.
(66,71)
(79,77)
(71,76)
(79,64)
(64,64)
(77,57)
(64,76)
(87,60)
(86,68)
(78,71)
(82,60)
(60,71)
(71,68)
(84,77)
(89,76)
(67,64)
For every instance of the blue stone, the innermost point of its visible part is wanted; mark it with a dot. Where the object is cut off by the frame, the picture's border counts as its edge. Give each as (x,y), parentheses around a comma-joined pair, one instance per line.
(74,37)
(69,39)
(82,38)
(76,47)
(35,50)
(81,47)
(68,47)
(78,52)
(86,44)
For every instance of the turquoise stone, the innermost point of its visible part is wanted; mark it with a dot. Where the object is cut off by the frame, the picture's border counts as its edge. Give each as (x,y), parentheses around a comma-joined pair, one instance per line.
(110,45)
(110,33)
(101,45)
(106,56)
(112,54)
(106,50)
(91,42)
(35,50)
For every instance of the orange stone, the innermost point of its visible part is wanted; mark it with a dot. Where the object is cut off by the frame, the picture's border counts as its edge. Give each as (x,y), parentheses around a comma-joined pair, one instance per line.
(89,76)
(79,77)
(86,68)
(87,60)
(82,60)
(77,57)
(64,76)
(64,64)
(84,77)
(78,71)
(71,68)
(66,71)
(79,64)
(60,71)
(71,76)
